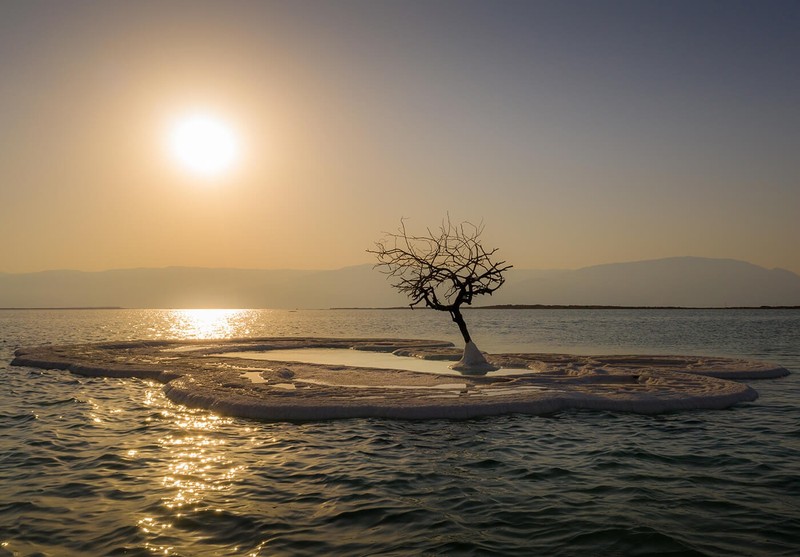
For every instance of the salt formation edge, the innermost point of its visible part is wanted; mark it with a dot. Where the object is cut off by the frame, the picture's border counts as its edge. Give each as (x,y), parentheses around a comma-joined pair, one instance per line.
(198,374)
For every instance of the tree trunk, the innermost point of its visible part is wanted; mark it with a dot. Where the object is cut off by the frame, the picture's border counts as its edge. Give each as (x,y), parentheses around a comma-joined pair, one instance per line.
(455,313)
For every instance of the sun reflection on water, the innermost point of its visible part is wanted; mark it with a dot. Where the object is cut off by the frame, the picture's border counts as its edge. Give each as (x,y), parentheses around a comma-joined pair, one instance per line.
(197,465)
(197,468)
(210,323)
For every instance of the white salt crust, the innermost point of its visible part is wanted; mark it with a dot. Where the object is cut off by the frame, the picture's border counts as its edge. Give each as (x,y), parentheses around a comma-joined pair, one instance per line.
(208,374)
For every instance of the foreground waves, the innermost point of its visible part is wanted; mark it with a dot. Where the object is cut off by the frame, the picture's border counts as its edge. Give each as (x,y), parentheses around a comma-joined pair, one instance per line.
(111,467)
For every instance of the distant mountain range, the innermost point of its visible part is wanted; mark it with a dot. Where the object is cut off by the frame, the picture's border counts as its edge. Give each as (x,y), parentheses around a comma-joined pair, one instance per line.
(678,281)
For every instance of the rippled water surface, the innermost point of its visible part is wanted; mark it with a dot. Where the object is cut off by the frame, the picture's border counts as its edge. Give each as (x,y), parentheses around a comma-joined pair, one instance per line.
(110,467)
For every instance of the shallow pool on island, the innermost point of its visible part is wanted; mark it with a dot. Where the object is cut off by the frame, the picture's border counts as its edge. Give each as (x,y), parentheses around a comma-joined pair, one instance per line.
(358,358)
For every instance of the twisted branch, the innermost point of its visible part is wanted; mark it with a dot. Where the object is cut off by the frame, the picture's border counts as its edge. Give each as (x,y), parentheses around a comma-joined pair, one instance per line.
(443,269)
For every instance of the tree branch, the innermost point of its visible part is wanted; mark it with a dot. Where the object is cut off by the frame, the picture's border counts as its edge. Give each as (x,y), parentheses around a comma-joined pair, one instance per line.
(443,269)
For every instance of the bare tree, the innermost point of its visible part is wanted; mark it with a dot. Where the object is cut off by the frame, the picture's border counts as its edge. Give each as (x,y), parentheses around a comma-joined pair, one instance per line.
(443,270)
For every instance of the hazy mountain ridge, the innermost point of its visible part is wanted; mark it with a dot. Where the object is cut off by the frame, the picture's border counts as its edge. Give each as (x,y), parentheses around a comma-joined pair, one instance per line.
(183,287)
(676,281)
(679,281)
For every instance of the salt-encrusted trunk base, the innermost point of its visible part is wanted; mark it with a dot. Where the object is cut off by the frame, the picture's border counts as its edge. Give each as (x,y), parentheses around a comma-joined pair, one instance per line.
(473,362)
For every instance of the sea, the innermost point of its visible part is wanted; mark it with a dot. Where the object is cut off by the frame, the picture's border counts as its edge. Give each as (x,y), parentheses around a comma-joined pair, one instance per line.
(107,466)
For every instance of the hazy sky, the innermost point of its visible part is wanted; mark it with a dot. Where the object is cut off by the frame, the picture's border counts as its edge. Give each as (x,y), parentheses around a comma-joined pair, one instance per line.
(581,132)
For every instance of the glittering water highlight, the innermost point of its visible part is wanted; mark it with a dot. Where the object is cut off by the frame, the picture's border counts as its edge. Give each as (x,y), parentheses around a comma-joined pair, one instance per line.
(110,467)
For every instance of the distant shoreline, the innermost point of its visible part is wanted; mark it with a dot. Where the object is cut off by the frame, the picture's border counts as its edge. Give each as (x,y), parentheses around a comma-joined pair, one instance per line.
(557,306)
(501,306)
(560,306)
(62,308)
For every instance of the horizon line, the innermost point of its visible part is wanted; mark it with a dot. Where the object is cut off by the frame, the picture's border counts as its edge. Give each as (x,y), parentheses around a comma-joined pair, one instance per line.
(319,270)
(503,307)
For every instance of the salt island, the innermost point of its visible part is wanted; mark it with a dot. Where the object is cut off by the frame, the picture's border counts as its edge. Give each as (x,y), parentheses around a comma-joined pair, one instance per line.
(300,379)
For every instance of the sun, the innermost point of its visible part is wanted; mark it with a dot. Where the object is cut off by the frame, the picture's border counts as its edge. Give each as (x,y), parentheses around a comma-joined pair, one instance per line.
(203,144)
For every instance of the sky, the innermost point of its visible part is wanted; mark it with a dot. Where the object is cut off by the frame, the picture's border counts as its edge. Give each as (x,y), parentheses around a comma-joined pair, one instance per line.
(579,132)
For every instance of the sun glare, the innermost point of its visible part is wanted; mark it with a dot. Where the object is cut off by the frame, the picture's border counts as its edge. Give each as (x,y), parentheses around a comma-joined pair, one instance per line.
(203,144)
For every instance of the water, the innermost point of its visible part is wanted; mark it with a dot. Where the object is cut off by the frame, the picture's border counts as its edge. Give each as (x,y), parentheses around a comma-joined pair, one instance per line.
(110,467)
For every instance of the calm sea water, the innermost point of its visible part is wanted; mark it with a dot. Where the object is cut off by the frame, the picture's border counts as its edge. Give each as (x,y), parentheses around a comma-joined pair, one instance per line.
(110,467)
